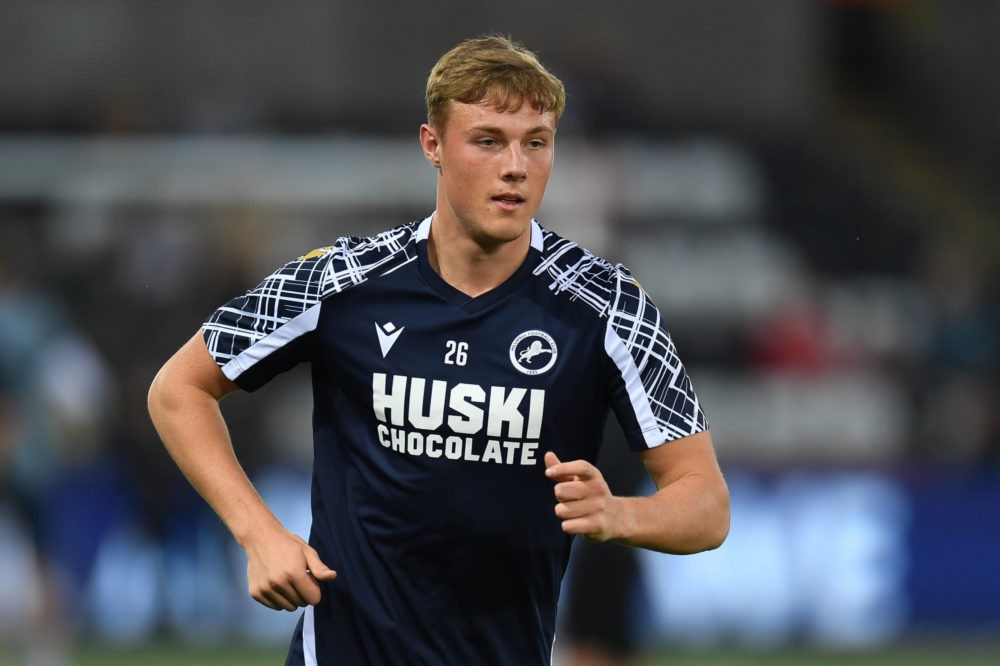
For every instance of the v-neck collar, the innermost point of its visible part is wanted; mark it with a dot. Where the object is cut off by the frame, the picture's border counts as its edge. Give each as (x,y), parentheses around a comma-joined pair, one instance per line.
(460,298)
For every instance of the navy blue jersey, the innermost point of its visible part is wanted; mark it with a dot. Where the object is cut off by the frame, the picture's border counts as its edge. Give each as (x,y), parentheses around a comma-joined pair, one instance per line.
(432,413)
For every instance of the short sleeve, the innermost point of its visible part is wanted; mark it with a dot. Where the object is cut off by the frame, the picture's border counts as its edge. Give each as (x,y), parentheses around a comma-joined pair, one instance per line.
(648,387)
(267,330)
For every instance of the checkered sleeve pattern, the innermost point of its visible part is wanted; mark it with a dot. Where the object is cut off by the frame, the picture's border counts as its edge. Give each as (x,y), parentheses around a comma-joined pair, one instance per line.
(666,384)
(301,284)
(658,385)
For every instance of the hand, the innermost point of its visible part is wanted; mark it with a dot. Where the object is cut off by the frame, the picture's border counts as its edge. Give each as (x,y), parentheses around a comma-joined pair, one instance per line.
(586,505)
(283,571)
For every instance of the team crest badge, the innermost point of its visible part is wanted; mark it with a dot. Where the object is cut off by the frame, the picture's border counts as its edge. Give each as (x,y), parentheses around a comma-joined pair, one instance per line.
(533,352)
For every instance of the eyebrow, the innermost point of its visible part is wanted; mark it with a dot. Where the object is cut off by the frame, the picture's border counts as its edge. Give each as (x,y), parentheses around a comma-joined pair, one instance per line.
(540,129)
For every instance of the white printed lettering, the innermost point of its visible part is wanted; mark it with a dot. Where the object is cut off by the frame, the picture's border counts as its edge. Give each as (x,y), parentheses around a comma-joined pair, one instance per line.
(503,409)
(398,440)
(461,399)
(492,452)
(453,448)
(469,455)
(511,450)
(494,422)
(415,444)
(394,401)
(536,408)
(431,445)
(434,417)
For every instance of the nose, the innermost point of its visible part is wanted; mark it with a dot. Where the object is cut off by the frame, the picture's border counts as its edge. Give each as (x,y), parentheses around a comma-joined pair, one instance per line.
(515,165)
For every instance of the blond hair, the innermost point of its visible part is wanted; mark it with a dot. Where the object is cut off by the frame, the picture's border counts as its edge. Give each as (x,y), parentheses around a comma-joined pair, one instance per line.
(494,70)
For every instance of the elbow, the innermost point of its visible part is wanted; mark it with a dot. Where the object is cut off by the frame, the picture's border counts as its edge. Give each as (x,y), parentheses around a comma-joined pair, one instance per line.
(717,535)
(165,395)
(713,526)
(156,395)
(709,525)
(719,521)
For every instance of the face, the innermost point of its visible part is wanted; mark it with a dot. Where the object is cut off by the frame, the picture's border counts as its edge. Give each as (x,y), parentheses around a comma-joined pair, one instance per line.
(493,169)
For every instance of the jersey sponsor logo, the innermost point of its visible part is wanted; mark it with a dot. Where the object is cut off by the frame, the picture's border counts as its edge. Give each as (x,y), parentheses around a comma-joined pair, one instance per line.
(533,352)
(436,418)
(318,252)
(387,335)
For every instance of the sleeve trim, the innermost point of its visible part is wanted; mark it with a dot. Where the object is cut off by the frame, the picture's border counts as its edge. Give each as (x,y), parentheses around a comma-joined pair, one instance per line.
(648,425)
(281,336)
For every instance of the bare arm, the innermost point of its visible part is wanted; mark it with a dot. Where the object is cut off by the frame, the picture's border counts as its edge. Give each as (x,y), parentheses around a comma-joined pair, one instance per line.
(183,401)
(688,513)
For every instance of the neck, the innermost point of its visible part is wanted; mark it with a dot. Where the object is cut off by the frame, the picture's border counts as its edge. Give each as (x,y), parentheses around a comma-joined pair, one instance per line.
(471,267)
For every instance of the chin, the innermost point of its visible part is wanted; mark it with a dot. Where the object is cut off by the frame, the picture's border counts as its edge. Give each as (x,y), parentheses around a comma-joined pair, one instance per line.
(503,231)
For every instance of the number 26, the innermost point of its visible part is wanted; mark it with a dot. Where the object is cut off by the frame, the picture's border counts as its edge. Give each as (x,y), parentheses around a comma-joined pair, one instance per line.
(457,354)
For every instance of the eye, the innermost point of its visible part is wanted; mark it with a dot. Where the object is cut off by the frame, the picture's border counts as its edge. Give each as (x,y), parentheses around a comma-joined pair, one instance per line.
(536,143)
(487,142)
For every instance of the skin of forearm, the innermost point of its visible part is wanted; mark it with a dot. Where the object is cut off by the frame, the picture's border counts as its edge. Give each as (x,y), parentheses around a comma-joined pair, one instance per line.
(191,426)
(689,515)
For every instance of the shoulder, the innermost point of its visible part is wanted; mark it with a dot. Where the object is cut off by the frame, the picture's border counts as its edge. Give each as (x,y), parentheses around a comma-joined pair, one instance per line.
(388,242)
(351,260)
(581,275)
(293,292)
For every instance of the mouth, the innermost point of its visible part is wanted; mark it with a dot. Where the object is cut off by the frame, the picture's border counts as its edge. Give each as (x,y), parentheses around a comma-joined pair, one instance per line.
(509,200)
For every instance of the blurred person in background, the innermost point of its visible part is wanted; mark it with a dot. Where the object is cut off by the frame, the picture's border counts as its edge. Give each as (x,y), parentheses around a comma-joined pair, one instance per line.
(20,592)
(463,367)
(59,491)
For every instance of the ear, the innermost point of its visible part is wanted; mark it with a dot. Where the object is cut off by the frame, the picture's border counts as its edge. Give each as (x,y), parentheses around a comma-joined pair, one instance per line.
(431,145)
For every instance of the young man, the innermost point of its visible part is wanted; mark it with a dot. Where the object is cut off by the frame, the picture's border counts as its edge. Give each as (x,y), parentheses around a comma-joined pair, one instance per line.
(462,369)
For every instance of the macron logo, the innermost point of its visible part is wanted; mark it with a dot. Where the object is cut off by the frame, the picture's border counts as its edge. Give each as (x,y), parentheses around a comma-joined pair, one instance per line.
(387,335)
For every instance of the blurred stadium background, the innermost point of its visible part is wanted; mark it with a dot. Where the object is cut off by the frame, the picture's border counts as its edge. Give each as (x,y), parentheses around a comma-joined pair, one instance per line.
(807,188)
